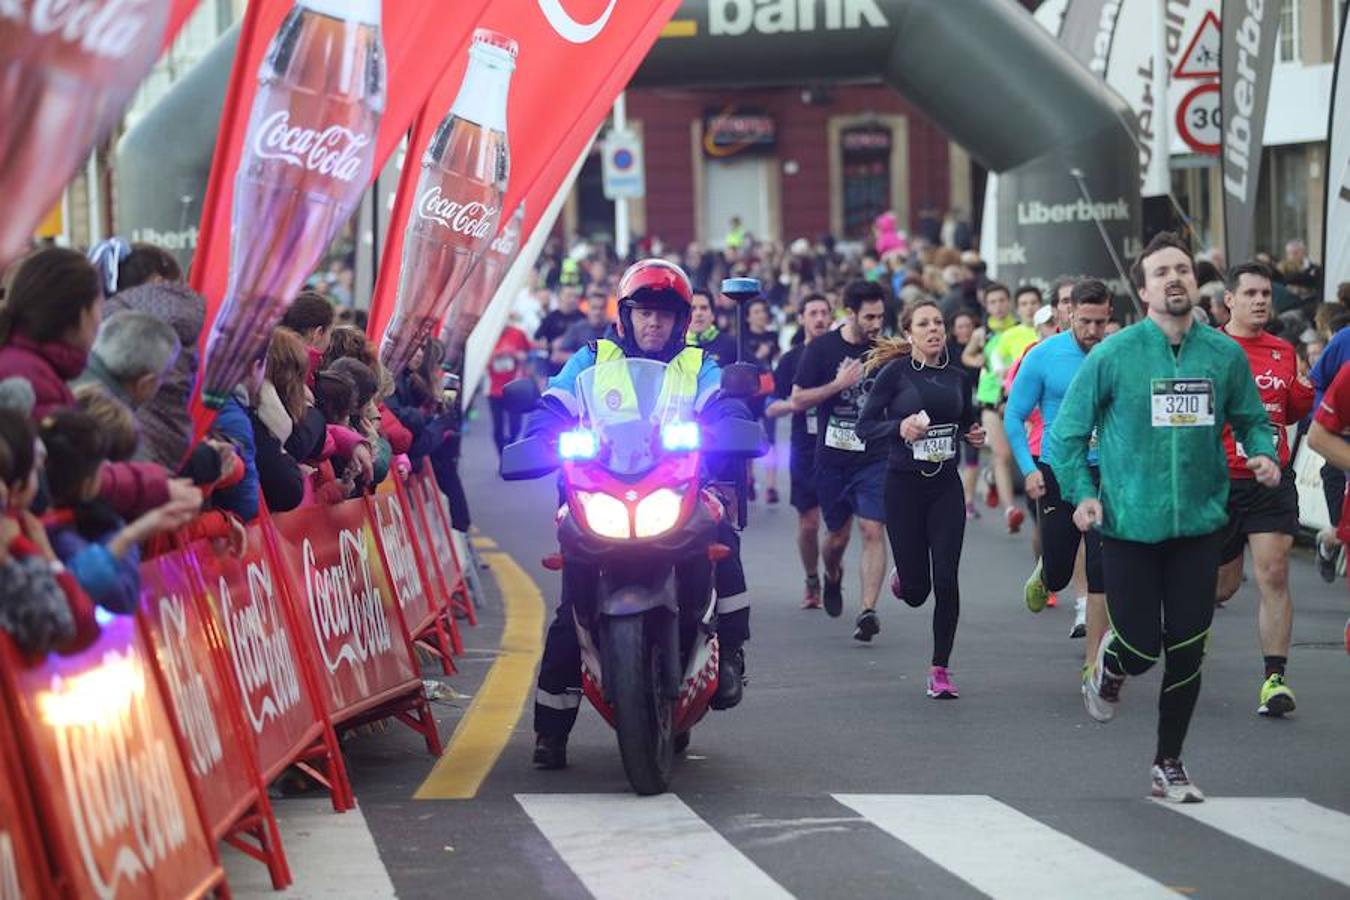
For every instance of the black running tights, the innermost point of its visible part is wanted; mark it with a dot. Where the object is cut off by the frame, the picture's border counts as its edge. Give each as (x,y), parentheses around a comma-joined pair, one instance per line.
(926,524)
(1161,601)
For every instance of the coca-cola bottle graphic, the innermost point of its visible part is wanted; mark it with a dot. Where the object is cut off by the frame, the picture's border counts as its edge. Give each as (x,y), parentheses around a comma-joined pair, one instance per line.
(67,71)
(307,159)
(457,204)
(482,285)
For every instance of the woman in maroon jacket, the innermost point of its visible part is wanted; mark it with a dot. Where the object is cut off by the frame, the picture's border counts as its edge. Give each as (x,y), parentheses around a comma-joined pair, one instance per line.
(47,325)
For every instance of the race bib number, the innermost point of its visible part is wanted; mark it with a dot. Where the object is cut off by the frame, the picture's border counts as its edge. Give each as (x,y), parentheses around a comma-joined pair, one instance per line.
(843,435)
(1183,402)
(938,445)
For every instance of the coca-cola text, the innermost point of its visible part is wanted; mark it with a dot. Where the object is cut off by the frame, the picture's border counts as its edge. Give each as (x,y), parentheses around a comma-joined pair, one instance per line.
(191,703)
(261,650)
(334,151)
(116,771)
(473,219)
(109,28)
(345,604)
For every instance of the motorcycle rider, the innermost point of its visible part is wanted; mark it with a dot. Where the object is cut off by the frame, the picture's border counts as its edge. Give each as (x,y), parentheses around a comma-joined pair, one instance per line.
(654,314)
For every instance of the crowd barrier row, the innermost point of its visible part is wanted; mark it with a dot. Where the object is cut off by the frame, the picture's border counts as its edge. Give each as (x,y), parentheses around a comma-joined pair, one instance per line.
(123,766)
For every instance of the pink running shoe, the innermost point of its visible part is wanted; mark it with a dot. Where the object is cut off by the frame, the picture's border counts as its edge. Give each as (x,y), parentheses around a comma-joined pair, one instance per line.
(894,582)
(940,686)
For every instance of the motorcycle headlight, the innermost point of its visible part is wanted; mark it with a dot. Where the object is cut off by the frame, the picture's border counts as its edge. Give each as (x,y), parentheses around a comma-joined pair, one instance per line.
(657,513)
(605,515)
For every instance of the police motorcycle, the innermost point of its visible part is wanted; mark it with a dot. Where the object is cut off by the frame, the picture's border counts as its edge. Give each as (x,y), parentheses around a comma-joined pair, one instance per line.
(639,524)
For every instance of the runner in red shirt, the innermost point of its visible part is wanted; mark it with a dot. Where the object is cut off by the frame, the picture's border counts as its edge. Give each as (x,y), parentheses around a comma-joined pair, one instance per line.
(1330,436)
(506,364)
(1266,519)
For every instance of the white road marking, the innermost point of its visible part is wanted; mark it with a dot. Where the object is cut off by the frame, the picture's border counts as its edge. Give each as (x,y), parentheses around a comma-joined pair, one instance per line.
(1000,851)
(330,855)
(1292,828)
(622,846)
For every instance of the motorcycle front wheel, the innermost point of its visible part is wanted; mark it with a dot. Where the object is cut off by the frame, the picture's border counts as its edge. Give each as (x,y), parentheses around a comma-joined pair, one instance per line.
(643,715)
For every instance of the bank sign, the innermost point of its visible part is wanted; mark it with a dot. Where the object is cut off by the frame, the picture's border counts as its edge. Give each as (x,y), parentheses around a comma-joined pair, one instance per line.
(732,18)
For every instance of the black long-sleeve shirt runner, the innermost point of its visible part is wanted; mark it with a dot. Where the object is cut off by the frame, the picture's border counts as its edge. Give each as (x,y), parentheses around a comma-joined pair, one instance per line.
(904,388)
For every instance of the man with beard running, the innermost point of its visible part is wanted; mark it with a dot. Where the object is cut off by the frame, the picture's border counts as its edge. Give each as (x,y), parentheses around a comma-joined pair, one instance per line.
(850,472)
(1041,383)
(814,319)
(1264,520)
(1158,395)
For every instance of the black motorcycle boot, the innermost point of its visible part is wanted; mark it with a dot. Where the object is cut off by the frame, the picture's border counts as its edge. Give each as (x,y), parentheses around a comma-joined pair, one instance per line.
(550,752)
(730,679)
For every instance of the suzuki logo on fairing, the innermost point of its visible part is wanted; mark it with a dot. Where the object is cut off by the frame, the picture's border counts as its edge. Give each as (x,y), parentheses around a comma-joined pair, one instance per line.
(568,28)
(736,17)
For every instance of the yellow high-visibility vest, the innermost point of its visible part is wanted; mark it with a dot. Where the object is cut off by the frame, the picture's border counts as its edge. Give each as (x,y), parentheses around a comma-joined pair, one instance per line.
(679,385)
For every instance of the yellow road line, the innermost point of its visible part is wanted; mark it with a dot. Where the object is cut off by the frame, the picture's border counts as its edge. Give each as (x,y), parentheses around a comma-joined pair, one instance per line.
(484,543)
(680,28)
(482,734)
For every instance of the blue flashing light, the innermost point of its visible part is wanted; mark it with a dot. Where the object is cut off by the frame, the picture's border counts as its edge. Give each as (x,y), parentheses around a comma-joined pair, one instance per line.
(680,436)
(579,443)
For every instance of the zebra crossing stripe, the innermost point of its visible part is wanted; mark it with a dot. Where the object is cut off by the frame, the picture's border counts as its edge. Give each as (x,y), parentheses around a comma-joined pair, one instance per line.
(622,846)
(1292,828)
(1000,851)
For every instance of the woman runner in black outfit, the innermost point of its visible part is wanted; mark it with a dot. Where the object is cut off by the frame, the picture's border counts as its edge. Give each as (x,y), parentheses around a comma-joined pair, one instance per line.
(923,396)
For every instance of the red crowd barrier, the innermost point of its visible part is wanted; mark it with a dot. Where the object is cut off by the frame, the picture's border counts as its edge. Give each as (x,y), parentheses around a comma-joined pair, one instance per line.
(358,639)
(426,501)
(220,760)
(23,868)
(125,764)
(423,611)
(106,769)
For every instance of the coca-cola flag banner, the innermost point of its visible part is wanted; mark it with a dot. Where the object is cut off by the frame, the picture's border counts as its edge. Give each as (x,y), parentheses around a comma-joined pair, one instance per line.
(1336,226)
(1246,61)
(482,286)
(595,46)
(70,70)
(274,138)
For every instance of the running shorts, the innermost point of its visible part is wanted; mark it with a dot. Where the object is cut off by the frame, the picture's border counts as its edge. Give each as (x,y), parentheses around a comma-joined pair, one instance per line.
(1253,509)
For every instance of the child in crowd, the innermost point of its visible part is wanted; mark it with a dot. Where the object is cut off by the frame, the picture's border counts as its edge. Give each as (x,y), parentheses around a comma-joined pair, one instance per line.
(94,543)
(41,604)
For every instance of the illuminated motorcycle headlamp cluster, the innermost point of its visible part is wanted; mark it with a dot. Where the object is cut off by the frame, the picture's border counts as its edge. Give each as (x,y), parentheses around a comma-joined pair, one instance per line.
(608,516)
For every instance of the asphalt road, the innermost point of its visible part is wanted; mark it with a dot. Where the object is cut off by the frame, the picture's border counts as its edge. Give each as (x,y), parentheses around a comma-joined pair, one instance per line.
(838,777)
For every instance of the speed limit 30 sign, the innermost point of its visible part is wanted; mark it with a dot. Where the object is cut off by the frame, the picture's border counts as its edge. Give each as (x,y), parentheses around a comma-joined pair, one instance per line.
(1199,118)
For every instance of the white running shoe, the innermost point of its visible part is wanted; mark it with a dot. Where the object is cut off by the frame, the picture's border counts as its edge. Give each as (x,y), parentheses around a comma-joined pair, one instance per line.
(1173,784)
(1101,689)
(1079,629)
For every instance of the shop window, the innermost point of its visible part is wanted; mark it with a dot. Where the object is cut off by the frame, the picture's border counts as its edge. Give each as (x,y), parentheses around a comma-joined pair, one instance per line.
(1286,38)
(867,178)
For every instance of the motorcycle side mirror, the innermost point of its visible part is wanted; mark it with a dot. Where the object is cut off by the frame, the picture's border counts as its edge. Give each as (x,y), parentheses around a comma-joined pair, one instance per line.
(532,457)
(740,380)
(521,396)
(736,437)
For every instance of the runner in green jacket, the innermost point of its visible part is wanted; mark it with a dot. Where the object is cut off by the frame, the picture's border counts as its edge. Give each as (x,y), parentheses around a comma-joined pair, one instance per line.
(1157,396)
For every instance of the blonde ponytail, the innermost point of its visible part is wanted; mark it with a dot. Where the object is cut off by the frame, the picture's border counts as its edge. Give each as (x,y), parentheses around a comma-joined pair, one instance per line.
(885,350)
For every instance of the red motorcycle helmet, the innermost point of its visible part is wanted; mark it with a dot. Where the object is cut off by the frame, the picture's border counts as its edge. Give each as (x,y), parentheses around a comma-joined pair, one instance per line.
(655,284)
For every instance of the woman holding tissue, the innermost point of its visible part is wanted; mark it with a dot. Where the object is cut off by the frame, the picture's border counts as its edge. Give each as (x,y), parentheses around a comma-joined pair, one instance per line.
(922,400)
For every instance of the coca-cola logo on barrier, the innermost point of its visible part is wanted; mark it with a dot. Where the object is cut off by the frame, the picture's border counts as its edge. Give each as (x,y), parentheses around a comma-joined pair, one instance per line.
(472,219)
(568,28)
(259,645)
(334,151)
(111,28)
(116,771)
(398,551)
(191,702)
(345,604)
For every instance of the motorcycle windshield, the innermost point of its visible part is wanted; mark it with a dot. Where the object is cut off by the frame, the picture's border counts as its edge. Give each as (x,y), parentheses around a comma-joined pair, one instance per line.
(625,403)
